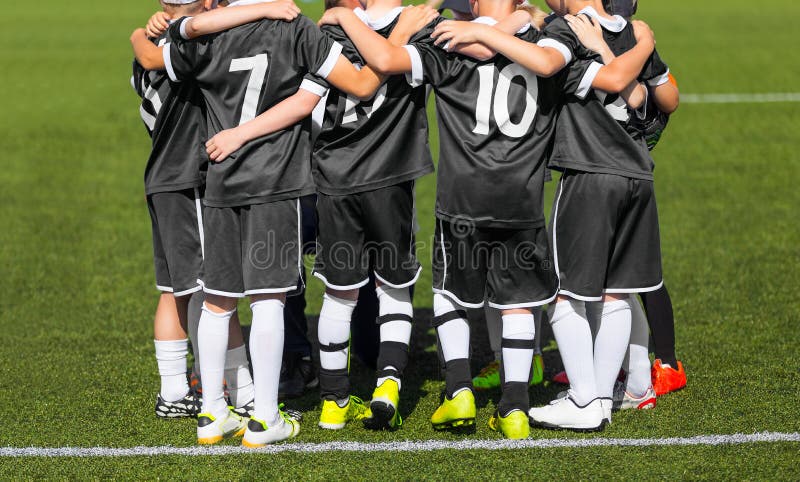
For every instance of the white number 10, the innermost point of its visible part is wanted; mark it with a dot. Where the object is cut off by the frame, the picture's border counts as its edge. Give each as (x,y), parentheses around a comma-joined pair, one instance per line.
(258,67)
(500,104)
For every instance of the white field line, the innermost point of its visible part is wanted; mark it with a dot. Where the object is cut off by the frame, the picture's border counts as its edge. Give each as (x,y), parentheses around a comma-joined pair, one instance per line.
(406,446)
(740,98)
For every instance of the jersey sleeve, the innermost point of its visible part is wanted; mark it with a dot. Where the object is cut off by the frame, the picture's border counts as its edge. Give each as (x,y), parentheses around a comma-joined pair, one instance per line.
(577,77)
(429,62)
(559,36)
(655,71)
(180,53)
(315,51)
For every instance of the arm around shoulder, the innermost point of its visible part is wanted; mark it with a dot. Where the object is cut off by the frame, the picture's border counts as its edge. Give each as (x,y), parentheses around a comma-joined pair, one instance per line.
(147,54)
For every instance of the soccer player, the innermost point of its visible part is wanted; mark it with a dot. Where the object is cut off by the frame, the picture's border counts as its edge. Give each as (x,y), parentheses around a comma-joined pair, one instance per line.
(490,237)
(175,119)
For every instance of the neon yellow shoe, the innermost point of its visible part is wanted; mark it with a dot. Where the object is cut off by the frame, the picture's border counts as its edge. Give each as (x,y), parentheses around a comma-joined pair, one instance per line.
(334,417)
(383,413)
(489,376)
(515,425)
(456,412)
(538,370)
(211,430)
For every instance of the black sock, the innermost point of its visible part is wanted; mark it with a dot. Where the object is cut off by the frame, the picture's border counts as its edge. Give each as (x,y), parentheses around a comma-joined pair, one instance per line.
(658,306)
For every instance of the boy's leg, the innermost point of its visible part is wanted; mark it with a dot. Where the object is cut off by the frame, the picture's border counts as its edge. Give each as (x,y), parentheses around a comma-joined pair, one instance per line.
(658,306)
(171,351)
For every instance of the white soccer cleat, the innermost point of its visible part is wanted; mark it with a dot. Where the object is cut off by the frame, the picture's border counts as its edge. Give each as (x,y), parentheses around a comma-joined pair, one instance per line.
(624,400)
(258,434)
(564,413)
(211,430)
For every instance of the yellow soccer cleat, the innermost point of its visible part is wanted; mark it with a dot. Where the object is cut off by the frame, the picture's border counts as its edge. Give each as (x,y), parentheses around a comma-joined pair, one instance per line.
(334,417)
(456,412)
(515,425)
(383,413)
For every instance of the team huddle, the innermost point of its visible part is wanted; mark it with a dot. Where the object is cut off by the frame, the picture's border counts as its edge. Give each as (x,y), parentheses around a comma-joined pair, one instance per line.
(253,108)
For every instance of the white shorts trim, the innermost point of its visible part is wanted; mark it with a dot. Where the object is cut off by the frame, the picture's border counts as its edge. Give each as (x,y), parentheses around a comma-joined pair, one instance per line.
(165,289)
(532,304)
(634,290)
(188,292)
(332,286)
(579,297)
(226,294)
(267,291)
(458,301)
(404,285)
(198,205)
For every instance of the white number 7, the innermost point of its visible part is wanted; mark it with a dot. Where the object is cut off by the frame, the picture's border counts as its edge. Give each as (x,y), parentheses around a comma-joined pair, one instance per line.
(258,67)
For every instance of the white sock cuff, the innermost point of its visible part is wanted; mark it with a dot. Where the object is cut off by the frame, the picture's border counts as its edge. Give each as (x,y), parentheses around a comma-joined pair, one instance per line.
(236,357)
(442,305)
(566,308)
(394,300)
(270,303)
(519,327)
(171,349)
(339,301)
(616,305)
(224,316)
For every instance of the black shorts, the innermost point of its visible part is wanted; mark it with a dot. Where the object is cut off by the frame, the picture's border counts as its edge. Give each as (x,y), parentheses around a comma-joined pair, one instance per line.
(509,268)
(373,229)
(177,223)
(252,249)
(605,235)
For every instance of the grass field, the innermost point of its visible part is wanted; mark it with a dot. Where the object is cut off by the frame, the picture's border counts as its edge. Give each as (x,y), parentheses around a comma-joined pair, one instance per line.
(77,366)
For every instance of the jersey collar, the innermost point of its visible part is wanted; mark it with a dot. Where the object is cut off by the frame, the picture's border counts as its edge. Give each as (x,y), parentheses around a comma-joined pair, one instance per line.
(492,22)
(379,23)
(616,25)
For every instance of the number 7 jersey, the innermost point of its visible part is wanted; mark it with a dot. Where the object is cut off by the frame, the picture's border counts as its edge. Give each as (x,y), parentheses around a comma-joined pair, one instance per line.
(242,72)
(496,121)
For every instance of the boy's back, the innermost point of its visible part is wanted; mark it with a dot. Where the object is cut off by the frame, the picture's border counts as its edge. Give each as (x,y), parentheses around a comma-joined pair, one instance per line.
(174,115)
(377,143)
(242,72)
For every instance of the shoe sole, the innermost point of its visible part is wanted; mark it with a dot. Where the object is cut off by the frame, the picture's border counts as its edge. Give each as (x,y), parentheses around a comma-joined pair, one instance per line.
(670,391)
(331,426)
(382,416)
(462,422)
(548,426)
(167,416)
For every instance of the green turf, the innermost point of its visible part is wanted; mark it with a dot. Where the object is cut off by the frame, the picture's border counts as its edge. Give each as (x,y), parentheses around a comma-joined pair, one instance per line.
(77,368)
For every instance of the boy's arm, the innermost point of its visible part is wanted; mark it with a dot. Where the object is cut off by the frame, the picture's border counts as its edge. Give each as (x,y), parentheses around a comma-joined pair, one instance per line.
(510,25)
(543,61)
(221,19)
(147,53)
(286,113)
(667,96)
(617,76)
(590,34)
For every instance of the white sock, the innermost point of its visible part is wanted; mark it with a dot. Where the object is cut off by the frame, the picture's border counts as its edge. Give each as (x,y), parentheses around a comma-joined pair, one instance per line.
(171,358)
(494,326)
(334,328)
(266,352)
(613,336)
(638,359)
(212,343)
(393,301)
(194,310)
(237,377)
(453,335)
(574,338)
(517,361)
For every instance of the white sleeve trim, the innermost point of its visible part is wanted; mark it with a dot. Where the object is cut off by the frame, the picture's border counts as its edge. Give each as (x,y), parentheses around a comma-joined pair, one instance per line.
(641,112)
(586,82)
(183,28)
(555,44)
(660,80)
(330,62)
(168,62)
(415,77)
(313,87)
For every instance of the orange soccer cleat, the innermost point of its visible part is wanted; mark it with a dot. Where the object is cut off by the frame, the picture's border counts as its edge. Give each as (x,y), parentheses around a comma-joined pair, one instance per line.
(667,379)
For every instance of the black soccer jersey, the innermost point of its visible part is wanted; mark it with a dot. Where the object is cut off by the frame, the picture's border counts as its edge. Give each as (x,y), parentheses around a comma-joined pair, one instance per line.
(242,72)
(174,115)
(366,145)
(594,130)
(496,121)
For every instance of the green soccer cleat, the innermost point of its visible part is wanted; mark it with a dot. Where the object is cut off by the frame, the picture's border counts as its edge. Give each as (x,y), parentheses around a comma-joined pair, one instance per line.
(513,426)
(383,413)
(456,412)
(538,370)
(489,376)
(334,417)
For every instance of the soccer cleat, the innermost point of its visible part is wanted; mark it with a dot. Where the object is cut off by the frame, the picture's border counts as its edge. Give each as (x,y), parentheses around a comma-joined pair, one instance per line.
(258,434)
(538,370)
(245,410)
(455,412)
(211,430)
(297,375)
(188,406)
(514,426)
(488,377)
(623,400)
(194,382)
(667,379)
(383,413)
(334,417)
(565,413)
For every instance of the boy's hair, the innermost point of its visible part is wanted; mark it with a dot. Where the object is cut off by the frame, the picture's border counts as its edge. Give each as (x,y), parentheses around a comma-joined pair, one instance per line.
(329,4)
(538,15)
(176,8)
(623,8)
